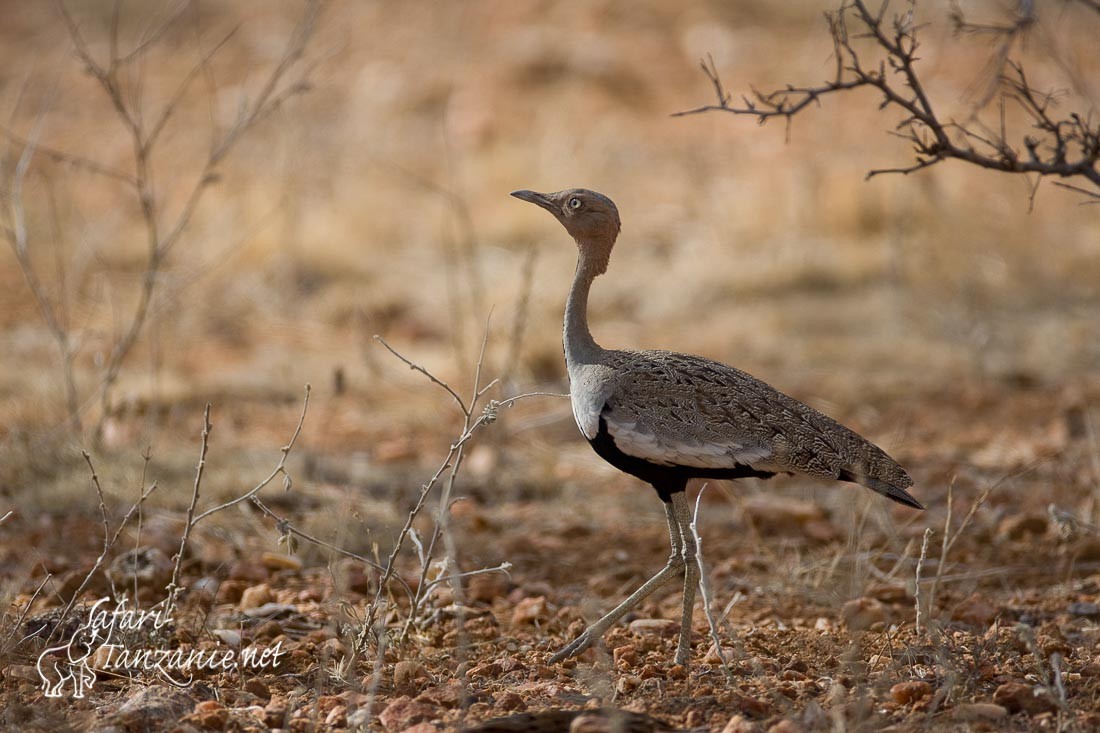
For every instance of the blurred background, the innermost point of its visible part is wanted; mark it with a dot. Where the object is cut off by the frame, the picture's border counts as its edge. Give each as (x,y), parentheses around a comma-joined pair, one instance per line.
(947,314)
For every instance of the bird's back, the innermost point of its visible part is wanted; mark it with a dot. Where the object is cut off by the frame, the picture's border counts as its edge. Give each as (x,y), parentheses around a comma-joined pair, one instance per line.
(677,409)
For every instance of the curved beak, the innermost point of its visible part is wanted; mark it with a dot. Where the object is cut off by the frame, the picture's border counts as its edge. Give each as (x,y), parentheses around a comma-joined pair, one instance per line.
(539,199)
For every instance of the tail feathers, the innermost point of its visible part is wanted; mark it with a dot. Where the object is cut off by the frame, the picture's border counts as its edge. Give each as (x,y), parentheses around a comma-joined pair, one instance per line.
(890,491)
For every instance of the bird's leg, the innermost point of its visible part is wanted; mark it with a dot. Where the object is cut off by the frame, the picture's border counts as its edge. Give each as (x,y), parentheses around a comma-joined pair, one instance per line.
(671,570)
(682,513)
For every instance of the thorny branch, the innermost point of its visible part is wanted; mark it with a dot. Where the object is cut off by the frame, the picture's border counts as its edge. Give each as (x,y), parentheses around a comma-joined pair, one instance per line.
(1060,145)
(472,422)
(200,468)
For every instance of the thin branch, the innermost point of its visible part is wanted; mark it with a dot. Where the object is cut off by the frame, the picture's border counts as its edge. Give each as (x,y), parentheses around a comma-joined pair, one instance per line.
(193,518)
(76,161)
(1066,147)
(279,469)
(200,468)
(434,379)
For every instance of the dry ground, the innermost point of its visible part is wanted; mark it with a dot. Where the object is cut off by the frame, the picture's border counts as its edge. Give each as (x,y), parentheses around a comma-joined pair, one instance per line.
(935,314)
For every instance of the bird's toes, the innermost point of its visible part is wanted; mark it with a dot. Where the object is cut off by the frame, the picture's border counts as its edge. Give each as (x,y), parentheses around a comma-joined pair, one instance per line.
(572,649)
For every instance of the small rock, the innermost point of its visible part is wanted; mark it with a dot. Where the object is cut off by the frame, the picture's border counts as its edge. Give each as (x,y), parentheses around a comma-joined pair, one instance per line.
(444,696)
(530,610)
(511,701)
(256,596)
(627,684)
(904,693)
(257,687)
(740,724)
(206,586)
(653,627)
(210,714)
(145,567)
(229,637)
(326,703)
(785,726)
(358,720)
(268,630)
(334,649)
(975,610)
(750,705)
(337,717)
(1019,697)
(230,591)
(280,561)
(780,515)
(979,712)
(406,672)
(421,728)
(404,711)
(248,571)
(352,576)
(275,713)
(860,614)
(271,611)
(151,708)
(1087,609)
(814,717)
(487,587)
(26,672)
(625,655)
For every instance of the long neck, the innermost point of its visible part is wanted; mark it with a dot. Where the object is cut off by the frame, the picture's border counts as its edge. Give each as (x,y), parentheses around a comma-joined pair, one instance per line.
(580,347)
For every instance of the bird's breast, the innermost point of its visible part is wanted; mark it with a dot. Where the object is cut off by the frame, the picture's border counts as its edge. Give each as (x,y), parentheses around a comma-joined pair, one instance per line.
(589,388)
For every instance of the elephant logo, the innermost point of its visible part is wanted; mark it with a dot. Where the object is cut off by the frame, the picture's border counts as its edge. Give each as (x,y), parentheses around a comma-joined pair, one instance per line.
(67,664)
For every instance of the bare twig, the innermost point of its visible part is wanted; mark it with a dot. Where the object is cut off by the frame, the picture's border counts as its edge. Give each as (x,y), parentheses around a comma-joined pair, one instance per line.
(918,623)
(704,587)
(1066,147)
(125,94)
(200,468)
(108,541)
(435,380)
(472,422)
(193,518)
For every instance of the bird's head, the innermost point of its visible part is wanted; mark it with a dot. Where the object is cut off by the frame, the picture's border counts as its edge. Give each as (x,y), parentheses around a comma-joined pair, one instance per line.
(590,218)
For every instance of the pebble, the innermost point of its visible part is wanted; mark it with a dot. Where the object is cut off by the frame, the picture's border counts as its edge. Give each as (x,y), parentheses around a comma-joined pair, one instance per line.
(975,610)
(904,693)
(406,672)
(256,596)
(403,712)
(860,614)
(979,711)
(1087,609)
(257,687)
(785,726)
(530,610)
(144,567)
(1019,697)
(280,561)
(653,627)
(211,714)
(739,724)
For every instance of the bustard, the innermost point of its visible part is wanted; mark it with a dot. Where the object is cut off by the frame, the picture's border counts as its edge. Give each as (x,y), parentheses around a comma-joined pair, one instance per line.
(666,417)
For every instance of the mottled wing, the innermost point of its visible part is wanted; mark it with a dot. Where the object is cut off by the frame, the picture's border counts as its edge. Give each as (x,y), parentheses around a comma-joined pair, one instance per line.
(663,415)
(679,409)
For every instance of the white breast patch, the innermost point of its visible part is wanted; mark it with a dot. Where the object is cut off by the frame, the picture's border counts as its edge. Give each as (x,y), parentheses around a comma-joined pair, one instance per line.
(635,439)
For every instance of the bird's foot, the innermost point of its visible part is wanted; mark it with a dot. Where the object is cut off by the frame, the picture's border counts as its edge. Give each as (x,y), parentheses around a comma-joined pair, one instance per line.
(576,646)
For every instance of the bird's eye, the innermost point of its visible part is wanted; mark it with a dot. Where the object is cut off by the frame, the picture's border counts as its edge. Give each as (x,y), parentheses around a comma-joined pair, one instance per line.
(574,203)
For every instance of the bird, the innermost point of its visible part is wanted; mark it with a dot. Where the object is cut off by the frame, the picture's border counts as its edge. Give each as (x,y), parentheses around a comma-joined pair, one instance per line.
(667,417)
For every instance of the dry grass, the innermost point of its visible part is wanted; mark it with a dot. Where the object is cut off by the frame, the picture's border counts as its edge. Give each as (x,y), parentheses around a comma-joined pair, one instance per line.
(934,313)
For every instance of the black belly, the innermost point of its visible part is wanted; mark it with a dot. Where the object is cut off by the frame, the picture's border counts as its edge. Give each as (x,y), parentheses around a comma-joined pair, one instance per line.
(667,480)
